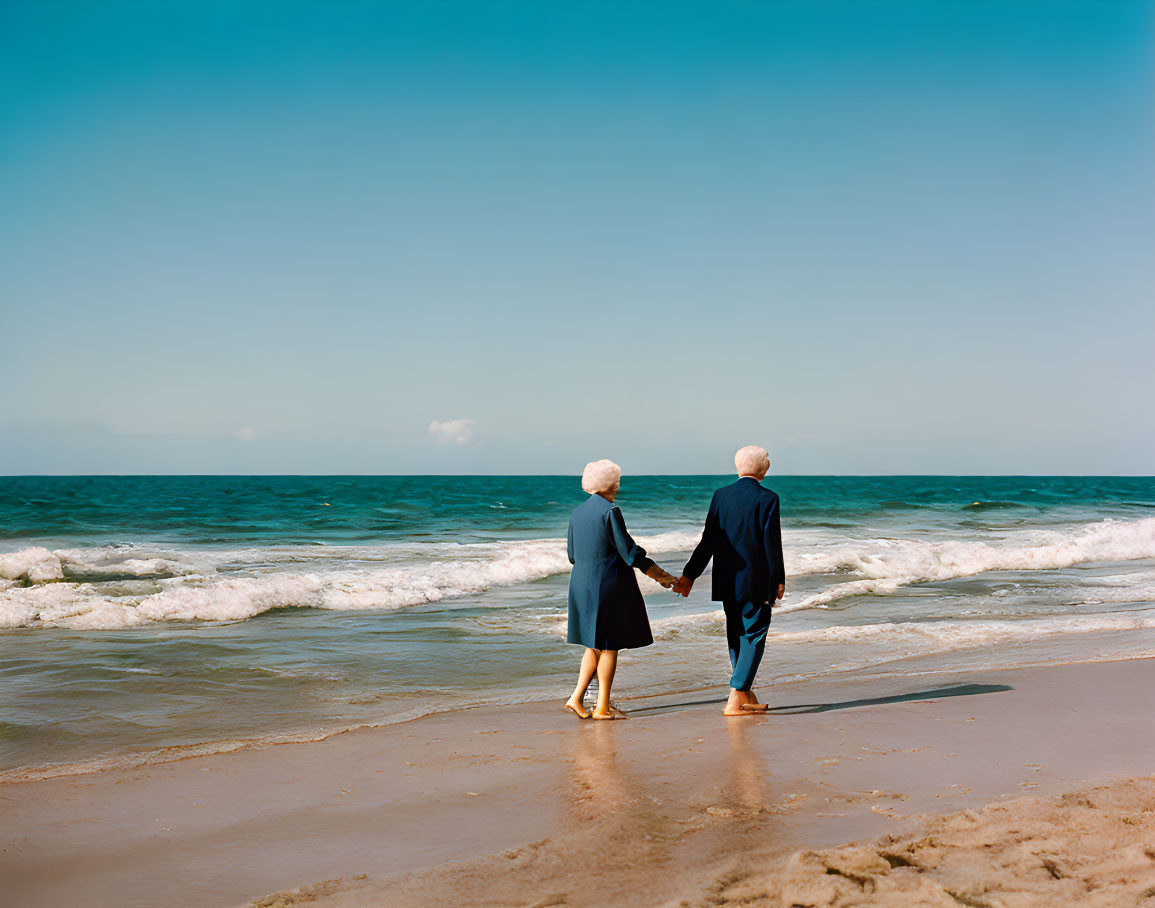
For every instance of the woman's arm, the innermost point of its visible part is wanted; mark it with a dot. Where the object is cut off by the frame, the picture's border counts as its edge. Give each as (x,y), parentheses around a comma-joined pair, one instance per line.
(569,542)
(632,553)
(656,573)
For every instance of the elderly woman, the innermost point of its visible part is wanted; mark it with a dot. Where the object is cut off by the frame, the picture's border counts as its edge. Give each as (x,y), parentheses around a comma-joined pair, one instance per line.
(606,611)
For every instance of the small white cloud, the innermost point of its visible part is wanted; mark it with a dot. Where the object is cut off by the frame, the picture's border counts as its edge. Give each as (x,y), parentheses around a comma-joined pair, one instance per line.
(452,431)
(248,433)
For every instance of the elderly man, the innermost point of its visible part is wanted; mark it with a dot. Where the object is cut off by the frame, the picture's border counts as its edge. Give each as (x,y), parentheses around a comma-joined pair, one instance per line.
(744,537)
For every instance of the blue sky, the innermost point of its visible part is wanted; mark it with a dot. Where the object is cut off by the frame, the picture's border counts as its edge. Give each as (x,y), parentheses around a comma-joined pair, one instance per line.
(339,236)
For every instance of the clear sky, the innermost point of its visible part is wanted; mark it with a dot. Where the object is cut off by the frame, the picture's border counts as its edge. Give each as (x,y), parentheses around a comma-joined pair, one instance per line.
(366,237)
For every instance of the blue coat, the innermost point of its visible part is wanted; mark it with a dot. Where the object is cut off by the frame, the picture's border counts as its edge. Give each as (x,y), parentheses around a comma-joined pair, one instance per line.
(606,609)
(743,535)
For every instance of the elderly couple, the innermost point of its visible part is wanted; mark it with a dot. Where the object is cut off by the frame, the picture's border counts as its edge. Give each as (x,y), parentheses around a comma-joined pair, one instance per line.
(606,612)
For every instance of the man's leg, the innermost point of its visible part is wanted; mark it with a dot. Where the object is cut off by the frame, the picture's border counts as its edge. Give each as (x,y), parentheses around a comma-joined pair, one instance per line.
(734,628)
(755,623)
(744,657)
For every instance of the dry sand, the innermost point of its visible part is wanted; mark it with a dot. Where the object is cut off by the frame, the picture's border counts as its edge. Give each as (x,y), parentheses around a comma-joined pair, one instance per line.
(1094,847)
(524,806)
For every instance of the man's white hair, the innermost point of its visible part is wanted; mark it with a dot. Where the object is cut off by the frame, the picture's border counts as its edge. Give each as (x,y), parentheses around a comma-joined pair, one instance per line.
(752,461)
(600,476)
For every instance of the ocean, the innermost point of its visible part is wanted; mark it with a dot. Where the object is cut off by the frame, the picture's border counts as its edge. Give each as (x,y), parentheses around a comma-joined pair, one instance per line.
(144,617)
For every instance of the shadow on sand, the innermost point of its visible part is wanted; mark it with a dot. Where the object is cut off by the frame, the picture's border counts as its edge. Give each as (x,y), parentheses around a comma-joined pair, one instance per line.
(938,693)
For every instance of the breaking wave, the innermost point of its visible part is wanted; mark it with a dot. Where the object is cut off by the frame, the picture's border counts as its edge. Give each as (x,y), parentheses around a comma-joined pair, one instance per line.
(883,566)
(126,586)
(120,587)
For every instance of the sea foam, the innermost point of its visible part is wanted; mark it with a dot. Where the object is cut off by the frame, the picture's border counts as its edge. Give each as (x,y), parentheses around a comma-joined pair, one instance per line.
(886,641)
(35,564)
(884,565)
(73,587)
(237,585)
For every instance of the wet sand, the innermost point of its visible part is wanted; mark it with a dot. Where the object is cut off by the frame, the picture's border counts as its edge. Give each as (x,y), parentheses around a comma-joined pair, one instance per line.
(527,805)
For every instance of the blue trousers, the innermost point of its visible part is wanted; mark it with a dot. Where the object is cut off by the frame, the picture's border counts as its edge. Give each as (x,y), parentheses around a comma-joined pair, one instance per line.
(746,627)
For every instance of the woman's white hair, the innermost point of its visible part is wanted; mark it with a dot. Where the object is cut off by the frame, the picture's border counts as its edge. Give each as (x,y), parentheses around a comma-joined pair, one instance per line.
(752,461)
(600,476)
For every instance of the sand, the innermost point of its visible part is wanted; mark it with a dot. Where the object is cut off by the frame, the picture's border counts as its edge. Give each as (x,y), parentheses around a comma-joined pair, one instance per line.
(1094,848)
(527,805)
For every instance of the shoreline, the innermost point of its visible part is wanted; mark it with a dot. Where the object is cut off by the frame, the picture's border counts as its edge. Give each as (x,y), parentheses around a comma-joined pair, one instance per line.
(160,756)
(837,761)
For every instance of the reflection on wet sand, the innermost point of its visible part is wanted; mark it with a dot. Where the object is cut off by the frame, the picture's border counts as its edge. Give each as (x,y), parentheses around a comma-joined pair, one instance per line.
(683,806)
(745,794)
(627,818)
(694,806)
(614,819)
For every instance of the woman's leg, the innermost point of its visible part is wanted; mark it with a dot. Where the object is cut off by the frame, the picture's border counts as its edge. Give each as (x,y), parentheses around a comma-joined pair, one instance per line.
(607,666)
(589,667)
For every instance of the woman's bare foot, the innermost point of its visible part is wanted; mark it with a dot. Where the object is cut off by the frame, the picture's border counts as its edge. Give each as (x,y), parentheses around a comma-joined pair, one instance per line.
(755,707)
(612,714)
(577,709)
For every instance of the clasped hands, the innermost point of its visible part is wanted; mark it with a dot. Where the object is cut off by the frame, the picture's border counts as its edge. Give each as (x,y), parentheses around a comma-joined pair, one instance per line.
(680,585)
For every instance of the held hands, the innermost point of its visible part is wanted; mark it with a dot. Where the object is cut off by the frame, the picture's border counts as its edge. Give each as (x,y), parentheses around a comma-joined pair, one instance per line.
(680,585)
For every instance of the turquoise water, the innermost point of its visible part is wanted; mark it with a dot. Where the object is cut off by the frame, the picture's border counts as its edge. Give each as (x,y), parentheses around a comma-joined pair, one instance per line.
(147,612)
(342,510)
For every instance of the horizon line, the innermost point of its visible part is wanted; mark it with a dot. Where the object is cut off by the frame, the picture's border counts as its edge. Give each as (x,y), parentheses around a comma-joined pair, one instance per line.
(565,475)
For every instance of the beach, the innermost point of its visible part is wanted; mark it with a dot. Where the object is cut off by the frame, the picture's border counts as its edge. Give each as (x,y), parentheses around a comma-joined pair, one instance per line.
(225,688)
(526,805)
(141,614)
(359,357)
(382,379)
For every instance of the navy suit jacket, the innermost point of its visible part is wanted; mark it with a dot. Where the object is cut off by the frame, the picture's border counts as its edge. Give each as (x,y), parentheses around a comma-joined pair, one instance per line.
(743,535)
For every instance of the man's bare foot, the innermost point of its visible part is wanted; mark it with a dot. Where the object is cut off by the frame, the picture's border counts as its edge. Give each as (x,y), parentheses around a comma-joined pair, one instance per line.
(737,704)
(577,709)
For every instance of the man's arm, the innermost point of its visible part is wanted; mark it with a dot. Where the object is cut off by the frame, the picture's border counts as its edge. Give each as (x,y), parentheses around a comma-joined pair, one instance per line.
(772,539)
(705,550)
